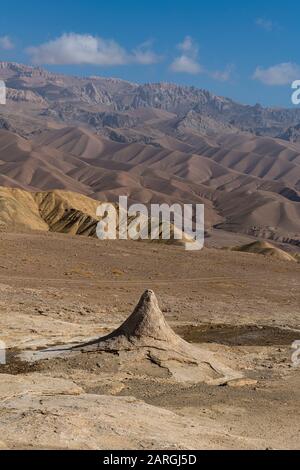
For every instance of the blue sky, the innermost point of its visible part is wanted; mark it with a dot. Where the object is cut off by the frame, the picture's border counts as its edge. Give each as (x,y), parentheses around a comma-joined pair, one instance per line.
(247,52)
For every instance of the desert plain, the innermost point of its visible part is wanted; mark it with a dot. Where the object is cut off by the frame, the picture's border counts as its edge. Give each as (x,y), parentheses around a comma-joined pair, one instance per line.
(58,289)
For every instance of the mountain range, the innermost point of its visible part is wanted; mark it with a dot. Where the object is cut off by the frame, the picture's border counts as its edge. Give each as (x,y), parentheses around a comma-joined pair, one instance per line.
(104,137)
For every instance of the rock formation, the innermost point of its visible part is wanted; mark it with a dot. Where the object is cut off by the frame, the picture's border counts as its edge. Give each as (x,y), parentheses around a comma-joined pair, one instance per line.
(145,336)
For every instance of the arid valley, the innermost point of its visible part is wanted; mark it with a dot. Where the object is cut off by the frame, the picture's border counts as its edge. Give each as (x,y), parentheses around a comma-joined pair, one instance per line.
(119,344)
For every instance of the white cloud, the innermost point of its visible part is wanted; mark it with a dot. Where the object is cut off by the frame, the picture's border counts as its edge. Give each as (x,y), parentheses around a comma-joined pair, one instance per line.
(224,75)
(281,74)
(143,54)
(266,25)
(187,62)
(6,43)
(85,49)
(189,46)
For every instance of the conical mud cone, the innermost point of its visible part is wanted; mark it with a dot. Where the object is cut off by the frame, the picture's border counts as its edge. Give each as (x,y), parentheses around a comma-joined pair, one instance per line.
(146,325)
(146,334)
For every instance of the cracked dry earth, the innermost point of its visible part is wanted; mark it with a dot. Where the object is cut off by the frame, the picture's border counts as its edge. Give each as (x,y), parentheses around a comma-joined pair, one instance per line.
(57,290)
